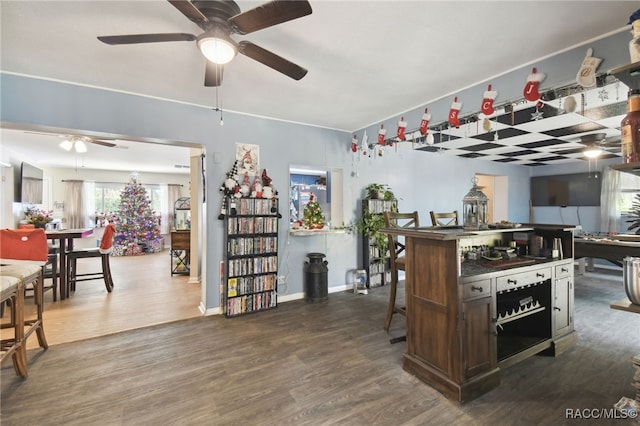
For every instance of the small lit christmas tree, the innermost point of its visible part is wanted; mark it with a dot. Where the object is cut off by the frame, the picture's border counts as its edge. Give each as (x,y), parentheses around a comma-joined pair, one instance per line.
(312,216)
(137,223)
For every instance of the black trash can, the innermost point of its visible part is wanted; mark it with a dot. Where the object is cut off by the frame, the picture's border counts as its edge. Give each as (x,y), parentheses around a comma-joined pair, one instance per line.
(316,284)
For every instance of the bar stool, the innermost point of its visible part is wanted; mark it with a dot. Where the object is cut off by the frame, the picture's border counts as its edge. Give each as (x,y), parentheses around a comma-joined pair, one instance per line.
(23,253)
(396,248)
(12,290)
(444,219)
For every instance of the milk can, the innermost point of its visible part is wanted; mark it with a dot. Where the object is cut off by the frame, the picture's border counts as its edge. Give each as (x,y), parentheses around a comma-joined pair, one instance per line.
(316,286)
(631,278)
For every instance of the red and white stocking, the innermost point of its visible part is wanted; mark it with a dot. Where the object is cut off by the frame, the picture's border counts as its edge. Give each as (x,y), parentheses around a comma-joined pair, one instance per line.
(402,125)
(354,144)
(454,120)
(364,144)
(487,101)
(532,86)
(424,123)
(586,76)
(381,133)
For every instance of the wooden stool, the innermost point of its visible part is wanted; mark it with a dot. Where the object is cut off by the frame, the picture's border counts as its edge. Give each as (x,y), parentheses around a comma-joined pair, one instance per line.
(396,248)
(31,275)
(12,289)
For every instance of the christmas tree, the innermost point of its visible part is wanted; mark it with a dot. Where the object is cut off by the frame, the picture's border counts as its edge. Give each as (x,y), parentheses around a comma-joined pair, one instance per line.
(137,223)
(312,216)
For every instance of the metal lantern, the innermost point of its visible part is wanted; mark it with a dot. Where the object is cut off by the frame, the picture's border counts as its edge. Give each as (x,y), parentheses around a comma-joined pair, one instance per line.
(475,208)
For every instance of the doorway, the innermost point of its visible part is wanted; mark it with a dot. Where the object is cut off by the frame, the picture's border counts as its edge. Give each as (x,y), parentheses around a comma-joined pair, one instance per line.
(496,188)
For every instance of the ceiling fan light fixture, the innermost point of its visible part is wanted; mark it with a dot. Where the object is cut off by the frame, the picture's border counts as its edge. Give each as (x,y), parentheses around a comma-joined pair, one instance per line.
(592,152)
(81,147)
(217,48)
(66,145)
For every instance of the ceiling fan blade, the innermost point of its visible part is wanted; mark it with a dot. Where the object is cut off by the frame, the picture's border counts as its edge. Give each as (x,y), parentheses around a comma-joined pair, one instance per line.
(269,14)
(146,38)
(213,74)
(190,11)
(271,60)
(102,142)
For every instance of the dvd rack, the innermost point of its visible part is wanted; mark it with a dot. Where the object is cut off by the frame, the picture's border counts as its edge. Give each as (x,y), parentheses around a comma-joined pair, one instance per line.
(251,262)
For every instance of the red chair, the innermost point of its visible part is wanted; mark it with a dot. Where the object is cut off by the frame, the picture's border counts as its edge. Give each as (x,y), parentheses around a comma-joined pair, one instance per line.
(23,253)
(104,251)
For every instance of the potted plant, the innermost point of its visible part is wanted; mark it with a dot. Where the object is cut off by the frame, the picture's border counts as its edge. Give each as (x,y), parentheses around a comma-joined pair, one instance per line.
(378,191)
(38,218)
(369,225)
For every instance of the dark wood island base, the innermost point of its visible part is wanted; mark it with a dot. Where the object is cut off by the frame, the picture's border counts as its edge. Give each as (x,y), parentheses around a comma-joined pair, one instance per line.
(467,320)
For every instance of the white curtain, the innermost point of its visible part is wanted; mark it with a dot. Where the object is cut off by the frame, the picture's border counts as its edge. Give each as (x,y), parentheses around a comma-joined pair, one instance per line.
(89,190)
(173,193)
(74,208)
(610,201)
(165,212)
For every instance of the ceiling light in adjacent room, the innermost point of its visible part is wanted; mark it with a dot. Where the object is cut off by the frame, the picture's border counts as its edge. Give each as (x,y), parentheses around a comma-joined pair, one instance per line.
(66,145)
(81,146)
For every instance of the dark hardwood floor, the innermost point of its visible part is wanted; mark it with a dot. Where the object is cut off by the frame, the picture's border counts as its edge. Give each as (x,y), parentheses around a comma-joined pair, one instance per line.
(313,364)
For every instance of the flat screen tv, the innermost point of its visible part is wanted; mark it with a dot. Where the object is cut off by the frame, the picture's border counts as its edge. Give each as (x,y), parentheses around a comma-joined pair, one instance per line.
(29,184)
(577,189)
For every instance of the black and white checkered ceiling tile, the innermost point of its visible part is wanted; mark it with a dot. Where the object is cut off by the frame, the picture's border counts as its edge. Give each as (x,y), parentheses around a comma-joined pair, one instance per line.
(532,136)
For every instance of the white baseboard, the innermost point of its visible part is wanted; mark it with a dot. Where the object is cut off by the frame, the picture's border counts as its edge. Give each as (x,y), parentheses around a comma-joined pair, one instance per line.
(281,299)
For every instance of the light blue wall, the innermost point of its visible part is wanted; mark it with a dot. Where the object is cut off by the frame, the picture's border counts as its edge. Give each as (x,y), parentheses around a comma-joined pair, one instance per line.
(422,181)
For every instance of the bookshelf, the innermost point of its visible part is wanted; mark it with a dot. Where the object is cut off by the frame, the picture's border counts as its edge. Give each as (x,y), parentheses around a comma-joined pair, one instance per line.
(375,263)
(251,263)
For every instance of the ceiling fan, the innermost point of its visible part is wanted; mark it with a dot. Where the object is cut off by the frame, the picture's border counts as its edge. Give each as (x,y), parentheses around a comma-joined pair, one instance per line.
(597,143)
(219,19)
(79,142)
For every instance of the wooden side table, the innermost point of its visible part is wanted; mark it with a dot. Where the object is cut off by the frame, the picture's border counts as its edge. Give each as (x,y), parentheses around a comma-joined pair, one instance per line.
(180,252)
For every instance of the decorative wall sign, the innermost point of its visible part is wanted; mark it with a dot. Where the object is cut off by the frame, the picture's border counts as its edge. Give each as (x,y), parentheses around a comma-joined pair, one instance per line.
(248,157)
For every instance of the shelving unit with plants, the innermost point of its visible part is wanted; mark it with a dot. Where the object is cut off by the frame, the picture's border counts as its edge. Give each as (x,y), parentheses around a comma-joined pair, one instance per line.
(375,255)
(251,271)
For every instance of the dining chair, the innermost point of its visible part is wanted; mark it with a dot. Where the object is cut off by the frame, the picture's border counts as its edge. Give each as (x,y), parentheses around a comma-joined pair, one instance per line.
(397,260)
(444,219)
(23,253)
(103,252)
(49,269)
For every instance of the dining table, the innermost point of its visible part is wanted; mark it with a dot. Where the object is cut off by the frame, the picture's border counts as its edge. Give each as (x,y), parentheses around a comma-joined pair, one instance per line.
(65,238)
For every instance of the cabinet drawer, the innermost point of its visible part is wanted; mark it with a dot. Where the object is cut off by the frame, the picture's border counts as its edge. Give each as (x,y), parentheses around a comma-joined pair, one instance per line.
(476,289)
(180,240)
(510,282)
(563,270)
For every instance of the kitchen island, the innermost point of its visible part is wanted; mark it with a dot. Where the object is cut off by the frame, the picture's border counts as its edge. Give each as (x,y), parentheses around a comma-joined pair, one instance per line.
(468,319)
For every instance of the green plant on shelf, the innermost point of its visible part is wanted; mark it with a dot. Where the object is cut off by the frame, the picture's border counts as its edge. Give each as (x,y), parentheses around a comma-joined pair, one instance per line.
(369,225)
(378,191)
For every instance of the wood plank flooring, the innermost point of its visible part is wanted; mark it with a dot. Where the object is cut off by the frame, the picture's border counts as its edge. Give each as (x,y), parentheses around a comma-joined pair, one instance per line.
(312,364)
(145,294)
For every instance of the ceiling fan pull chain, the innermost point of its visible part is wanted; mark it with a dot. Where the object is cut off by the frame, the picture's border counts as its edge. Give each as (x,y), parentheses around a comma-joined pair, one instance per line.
(560,105)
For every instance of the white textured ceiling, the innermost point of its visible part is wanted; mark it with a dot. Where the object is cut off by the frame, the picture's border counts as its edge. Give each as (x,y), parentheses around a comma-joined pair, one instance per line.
(367,60)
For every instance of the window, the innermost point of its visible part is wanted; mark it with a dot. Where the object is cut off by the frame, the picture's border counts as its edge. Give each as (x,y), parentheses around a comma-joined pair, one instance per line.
(325,185)
(629,187)
(107,196)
